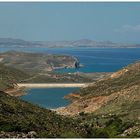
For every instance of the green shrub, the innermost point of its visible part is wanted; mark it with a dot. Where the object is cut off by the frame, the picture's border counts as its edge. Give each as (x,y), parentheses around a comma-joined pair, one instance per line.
(70,134)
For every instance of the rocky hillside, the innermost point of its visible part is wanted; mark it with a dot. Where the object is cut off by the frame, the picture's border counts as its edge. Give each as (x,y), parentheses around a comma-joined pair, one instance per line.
(19,119)
(37,62)
(115,98)
(117,94)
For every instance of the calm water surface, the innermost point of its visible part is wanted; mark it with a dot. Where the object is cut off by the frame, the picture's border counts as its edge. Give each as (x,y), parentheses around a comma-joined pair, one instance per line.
(48,97)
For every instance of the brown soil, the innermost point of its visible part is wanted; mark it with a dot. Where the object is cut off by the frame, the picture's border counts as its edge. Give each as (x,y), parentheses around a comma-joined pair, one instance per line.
(72,95)
(16,91)
(82,105)
(92,104)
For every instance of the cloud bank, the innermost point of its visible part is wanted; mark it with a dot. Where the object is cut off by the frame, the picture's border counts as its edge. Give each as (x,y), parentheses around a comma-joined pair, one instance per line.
(129,28)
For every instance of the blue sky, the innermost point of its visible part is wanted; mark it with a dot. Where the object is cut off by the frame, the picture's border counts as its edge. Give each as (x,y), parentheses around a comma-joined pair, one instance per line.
(117,22)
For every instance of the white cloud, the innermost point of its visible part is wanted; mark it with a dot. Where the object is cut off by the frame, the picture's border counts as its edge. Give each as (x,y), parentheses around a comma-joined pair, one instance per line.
(129,28)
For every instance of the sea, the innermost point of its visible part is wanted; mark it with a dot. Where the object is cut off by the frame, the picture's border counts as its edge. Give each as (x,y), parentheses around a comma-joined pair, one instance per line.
(92,59)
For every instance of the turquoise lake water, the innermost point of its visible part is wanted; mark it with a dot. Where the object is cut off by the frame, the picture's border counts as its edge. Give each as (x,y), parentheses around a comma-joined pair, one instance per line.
(48,97)
(93,59)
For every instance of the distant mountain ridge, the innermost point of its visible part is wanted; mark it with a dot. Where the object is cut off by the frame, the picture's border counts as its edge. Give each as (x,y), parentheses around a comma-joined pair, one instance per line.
(10,42)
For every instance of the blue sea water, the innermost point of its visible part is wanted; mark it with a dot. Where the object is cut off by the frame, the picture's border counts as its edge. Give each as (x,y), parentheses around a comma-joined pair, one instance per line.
(102,59)
(48,97)
(93,59)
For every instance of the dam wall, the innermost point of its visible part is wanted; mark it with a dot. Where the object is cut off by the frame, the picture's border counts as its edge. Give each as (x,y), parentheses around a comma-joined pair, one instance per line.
(52,85)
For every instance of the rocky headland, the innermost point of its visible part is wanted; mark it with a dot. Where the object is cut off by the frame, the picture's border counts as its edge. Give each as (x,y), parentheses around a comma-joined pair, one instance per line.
(37,62)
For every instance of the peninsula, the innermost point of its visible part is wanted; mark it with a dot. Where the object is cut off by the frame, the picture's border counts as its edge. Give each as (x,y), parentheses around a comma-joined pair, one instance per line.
(37,62)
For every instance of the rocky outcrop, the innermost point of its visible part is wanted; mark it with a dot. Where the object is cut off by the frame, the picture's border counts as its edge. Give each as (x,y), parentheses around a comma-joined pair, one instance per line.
(135,130)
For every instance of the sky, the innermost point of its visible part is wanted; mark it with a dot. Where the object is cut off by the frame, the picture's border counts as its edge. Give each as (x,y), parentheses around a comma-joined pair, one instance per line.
(116,22)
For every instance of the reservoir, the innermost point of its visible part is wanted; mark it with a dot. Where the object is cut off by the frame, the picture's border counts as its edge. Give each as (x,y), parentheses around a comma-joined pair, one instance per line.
(50,98)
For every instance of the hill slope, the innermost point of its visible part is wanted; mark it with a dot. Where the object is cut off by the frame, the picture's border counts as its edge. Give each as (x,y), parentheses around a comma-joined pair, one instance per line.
(18,116)
(10,76)
(111,105)
(117,94)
